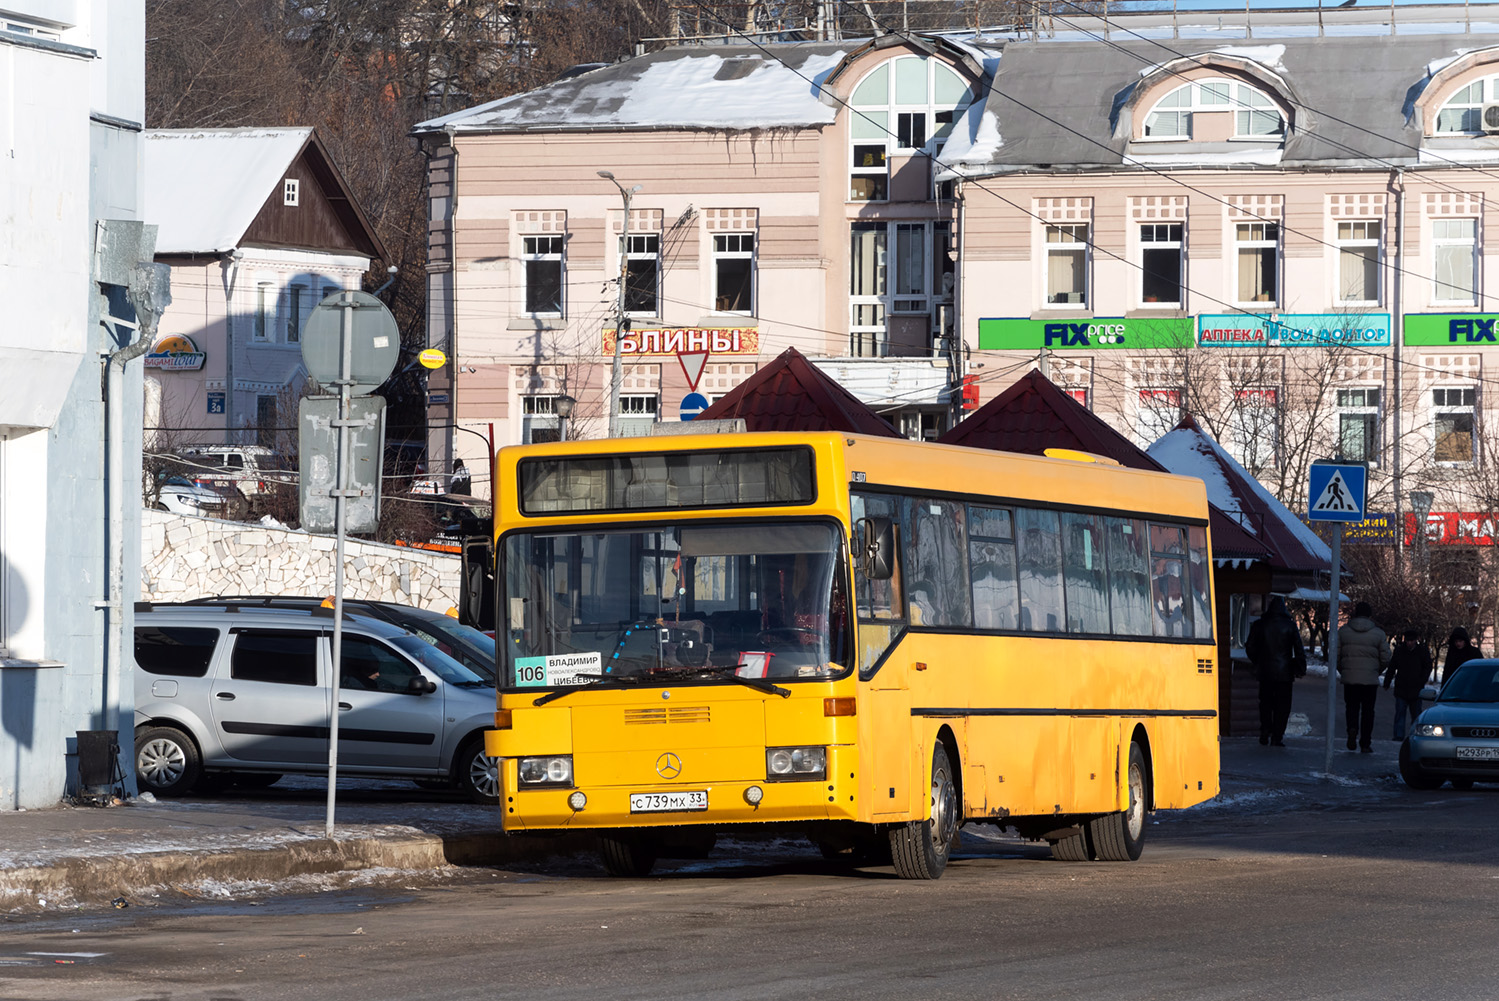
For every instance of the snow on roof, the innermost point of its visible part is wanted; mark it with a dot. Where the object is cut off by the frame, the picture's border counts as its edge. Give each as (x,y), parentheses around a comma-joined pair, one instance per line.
(205,186)
(973,142)
(1192,453)
(722,87)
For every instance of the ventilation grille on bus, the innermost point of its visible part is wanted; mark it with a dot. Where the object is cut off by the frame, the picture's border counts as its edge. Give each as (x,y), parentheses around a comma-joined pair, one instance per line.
(672,714)
(1204,667)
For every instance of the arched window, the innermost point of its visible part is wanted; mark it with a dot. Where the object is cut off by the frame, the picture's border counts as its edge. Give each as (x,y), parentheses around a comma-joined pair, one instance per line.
(902,106)
(1463,112)
(1255,115)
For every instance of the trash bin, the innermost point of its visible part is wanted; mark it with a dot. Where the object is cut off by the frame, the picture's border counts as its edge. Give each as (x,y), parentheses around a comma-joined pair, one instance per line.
(98,754)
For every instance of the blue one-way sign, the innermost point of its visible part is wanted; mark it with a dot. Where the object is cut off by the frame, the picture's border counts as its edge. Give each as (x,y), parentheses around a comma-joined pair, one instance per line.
(1336,491)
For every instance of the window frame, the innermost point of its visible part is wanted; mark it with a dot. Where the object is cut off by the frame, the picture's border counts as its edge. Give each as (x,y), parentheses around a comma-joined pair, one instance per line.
(1444,407)
(1438,242)
(294,312)
(1347,248)
(898,120)
(1234,102)
(737,254)
(1082,248)
(1261,244)
(1364,412)
(1246,430)
(532,254)
(1177,243)
(632,285)
(265,310)
(1488,90)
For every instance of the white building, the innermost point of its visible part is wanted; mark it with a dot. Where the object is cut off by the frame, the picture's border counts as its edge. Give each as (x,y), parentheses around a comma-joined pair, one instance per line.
(72,103)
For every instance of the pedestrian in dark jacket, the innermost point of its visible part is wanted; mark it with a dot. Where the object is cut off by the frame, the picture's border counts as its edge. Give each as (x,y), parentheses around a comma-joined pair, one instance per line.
(1410,668)
(1274,648)
(1363,655)
(1459,652)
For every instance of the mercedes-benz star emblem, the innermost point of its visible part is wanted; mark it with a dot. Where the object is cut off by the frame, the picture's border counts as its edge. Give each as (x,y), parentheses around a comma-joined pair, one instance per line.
(668,766)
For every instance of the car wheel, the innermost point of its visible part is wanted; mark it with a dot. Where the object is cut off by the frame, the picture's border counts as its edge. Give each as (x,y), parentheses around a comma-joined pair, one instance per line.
(1414,775)
(1461,785)
(627,854)
(1120,837)
(920,848)
(166,761)
(477,773)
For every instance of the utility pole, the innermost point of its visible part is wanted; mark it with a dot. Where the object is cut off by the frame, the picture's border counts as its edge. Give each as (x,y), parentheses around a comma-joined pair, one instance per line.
(617,374)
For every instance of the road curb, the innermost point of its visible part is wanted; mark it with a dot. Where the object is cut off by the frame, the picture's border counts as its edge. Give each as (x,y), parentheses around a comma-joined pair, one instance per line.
(101,879)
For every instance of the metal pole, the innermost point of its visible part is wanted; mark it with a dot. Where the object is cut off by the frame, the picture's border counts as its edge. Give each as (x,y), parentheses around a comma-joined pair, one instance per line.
(1332,642)
(340,493)
(617,374)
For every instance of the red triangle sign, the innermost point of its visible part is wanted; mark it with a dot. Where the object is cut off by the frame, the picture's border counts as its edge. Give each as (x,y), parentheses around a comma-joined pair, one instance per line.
(693,363)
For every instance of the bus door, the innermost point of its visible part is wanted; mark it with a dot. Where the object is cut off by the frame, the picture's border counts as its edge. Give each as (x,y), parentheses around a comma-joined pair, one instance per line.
(886,737)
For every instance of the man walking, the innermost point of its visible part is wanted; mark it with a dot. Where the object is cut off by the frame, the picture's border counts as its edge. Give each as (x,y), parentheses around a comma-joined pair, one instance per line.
(1363,655)
(1410,668)
(1274,648)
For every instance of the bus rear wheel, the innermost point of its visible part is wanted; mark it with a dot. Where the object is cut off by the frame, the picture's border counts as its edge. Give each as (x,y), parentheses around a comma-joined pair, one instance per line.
(920,848)
(1120,837)
(624,854)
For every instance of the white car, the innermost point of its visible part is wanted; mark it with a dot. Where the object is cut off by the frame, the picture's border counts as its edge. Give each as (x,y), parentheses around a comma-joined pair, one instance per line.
(182,496)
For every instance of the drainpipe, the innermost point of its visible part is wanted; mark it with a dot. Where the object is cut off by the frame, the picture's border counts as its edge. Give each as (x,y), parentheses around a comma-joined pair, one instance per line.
(148,294)
(1397,330)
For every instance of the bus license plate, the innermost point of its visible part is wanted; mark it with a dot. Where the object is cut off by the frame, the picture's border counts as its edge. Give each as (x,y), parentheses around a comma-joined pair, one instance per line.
(669,802)
(1478,753)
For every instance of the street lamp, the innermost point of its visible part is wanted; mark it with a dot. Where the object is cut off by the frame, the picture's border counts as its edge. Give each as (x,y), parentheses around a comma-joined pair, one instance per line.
(562,406)
(617,374)
(1421,501)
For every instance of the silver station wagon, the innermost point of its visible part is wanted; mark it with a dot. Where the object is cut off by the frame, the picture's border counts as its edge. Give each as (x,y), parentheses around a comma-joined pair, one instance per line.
(234,694)
(1457,739)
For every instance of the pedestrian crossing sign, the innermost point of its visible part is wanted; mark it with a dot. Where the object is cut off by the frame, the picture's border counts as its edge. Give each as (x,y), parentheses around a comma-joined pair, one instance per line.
(1337,491)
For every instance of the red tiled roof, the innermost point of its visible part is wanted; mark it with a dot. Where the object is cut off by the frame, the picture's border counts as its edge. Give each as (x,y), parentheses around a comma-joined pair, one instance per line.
(1034,415)
(789,393)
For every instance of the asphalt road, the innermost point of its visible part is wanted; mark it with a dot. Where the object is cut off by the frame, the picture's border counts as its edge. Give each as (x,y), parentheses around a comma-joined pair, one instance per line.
(1390,899)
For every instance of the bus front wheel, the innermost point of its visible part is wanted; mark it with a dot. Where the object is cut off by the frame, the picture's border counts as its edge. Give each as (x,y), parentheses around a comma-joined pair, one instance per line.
(624,854)
(920,848)
(1120,837)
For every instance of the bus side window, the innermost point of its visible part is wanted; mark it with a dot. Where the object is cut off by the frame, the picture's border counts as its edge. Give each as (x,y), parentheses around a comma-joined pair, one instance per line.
(1038,537)
(991,554)
(1085,578)
(936,564)
(1173,612)
(1202,604)
(1129,577)
(879,600)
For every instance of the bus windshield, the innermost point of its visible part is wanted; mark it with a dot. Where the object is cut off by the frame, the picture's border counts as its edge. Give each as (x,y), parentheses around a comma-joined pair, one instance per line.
(755,599)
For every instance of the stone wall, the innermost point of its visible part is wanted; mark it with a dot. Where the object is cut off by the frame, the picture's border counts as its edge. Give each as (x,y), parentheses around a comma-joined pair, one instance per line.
(184,557)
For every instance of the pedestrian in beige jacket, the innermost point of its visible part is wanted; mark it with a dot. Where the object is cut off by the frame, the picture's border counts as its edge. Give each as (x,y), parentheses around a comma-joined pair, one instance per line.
(1363,654)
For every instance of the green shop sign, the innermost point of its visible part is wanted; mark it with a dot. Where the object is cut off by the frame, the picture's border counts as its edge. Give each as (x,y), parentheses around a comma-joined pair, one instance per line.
(1103,332)
(1448,329)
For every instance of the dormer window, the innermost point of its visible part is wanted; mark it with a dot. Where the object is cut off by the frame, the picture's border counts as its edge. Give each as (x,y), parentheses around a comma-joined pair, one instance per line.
(1463,112)
(903,107)
(1178,114)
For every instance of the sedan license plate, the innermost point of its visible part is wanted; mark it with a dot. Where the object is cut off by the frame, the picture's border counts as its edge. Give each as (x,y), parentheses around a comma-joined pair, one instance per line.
(669,802)
(1478,753)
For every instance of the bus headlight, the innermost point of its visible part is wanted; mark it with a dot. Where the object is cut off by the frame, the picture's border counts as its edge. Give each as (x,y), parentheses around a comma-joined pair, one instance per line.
(791,764)
(554,770)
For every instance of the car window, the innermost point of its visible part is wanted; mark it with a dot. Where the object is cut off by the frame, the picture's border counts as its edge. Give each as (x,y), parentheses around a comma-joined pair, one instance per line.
(439,663)
(373,667)
(283,657)
(465,644)
(178,651)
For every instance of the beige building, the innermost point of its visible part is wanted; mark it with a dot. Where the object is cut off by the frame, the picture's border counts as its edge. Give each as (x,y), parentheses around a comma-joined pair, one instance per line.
(764,213)
(1286,236)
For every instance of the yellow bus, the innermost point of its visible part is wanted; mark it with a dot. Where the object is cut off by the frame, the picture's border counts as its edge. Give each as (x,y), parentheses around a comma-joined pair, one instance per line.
(874,640)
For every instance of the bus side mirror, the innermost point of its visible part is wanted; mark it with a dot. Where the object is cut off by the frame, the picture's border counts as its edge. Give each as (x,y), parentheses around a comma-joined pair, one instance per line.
(877,548)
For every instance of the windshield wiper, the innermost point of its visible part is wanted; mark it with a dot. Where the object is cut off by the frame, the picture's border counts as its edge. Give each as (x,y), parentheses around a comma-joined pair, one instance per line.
(597,679)
(727,673)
